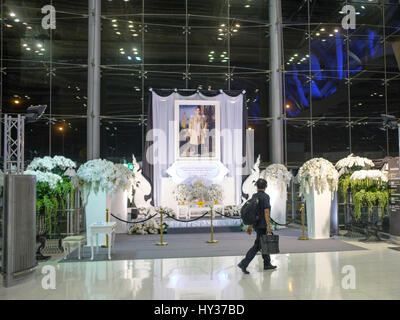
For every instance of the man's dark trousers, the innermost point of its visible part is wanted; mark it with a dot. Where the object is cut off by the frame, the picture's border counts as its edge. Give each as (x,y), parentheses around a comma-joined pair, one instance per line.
(255,248)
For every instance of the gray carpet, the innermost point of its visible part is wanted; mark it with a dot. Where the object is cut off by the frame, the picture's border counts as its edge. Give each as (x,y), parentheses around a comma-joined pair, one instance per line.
(194,245)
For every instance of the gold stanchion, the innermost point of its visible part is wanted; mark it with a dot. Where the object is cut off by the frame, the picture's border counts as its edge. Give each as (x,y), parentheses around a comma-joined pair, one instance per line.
(162,243)
(212,241)
(303,237)
(107,220)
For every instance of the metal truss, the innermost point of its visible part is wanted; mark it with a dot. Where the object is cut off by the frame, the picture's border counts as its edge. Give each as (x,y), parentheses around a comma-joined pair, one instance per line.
(14,134)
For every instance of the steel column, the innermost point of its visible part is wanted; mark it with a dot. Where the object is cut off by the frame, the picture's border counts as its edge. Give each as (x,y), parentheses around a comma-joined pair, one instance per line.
(94,80)
(276,85)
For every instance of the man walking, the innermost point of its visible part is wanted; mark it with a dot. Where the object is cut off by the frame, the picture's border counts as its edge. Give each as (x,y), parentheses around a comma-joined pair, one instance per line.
(262,226)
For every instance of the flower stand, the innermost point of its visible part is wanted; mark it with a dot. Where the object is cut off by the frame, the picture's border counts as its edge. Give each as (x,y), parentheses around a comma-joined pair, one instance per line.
(119,208)
(96,211)
(334,215)
(278,200)
(318,206)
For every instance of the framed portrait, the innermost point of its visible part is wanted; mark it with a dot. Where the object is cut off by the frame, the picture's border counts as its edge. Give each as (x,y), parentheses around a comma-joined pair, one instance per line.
(197,130)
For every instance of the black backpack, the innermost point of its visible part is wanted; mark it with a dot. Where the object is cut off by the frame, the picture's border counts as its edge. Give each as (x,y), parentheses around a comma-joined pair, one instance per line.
(249,211)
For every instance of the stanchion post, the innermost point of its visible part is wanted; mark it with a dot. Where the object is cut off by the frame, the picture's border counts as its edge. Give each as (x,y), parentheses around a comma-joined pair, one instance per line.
(162,243)
(212,241)
(303,237)
(107,220)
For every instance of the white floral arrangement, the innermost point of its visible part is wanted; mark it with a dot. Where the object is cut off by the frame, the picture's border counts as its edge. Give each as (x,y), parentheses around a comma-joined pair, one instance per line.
(153,226)
(46,177)
(149,227)
(277,175)
(347,164)
(182,194)
(48,164)
(199,190)
(318,174)
(103,175)
(374,175)
(124,179)
(64,163)
(214,194)
(231,211)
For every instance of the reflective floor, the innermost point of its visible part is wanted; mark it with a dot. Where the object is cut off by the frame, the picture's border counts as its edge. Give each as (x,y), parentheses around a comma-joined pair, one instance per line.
(299,276)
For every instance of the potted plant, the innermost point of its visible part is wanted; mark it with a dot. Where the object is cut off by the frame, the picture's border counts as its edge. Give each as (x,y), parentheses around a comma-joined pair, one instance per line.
(346,167)
(370,197)
(318,180)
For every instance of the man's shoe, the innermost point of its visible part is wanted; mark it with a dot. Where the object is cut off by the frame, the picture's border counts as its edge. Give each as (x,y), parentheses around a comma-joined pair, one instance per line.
(270,267)
(243,268)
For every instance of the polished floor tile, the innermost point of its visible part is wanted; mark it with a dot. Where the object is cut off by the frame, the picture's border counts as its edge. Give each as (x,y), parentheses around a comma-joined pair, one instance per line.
(299,276)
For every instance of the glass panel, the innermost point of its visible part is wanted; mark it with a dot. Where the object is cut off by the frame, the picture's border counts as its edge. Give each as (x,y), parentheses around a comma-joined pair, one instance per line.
(298,142)
(369,140)
(331,140)
(68,138)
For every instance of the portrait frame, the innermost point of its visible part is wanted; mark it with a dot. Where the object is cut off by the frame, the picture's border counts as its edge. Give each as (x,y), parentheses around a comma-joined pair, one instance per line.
(181,104)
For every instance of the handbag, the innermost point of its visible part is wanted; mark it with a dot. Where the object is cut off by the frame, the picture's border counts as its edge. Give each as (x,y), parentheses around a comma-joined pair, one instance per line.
(270,244)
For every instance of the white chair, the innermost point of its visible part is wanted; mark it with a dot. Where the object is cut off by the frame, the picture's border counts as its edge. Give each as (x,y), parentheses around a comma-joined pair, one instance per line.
(73,241)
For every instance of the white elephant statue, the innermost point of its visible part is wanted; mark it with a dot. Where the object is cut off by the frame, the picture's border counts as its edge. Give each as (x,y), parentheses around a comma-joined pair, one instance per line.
(249,188)
(142,187)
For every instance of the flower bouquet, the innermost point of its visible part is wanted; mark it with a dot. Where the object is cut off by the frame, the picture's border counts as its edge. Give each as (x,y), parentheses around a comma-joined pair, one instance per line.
(182,194)
(103,175)
(318,174)
(353,163)
(277,175)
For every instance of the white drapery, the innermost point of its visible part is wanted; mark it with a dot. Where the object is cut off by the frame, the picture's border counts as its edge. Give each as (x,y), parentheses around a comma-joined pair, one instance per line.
(163,151)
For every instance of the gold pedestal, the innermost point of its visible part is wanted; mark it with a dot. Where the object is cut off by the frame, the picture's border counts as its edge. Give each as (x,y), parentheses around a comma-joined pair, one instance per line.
(212,241)
(303,237)
(161,243)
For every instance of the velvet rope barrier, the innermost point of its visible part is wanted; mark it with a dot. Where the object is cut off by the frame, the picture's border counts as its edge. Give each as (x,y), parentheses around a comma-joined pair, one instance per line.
(187,221)
(238,218)
(134,222)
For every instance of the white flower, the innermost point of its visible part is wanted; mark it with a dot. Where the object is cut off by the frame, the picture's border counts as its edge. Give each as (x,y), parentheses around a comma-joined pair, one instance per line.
(48,164)
(46,177)
(182,193)
(318,174)
(347,164)
(375,175)
(64,163)
(277,175)
(200,190)
(105,176)
(124,178)
(42,164)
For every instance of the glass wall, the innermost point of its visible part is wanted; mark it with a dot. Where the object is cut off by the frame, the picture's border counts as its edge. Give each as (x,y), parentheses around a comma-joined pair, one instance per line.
(187,44)
(338,82)
(46,66)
